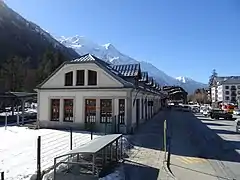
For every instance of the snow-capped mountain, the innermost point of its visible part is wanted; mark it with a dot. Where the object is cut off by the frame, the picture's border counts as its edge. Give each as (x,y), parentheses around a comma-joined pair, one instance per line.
(190,84)
(182,79)
(109,53)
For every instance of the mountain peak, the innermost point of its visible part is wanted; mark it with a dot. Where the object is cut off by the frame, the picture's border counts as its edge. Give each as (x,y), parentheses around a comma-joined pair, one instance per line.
(109,53)
(182,79)
(108,46)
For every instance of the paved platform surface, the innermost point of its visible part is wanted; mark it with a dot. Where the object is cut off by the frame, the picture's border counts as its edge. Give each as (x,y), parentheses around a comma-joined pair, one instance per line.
(226,129)
(222,142)
(146,159)
(188,160)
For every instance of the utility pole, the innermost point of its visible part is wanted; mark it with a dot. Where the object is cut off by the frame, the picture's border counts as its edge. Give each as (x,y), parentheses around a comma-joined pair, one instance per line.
(165,139)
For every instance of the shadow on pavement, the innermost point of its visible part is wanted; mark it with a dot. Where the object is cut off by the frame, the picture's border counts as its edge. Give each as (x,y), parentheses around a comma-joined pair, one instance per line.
(215,124)
(209,144)
(229,144)
(223,131)
(148,135)
(139,171)
(204,139)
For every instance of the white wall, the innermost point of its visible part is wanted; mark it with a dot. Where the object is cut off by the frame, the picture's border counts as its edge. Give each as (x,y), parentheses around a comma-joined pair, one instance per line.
(103,78)
(220,96)
(213,95)
(79,101)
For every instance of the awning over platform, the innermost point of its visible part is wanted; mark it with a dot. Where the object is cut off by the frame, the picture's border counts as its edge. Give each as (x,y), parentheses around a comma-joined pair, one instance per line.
(95,145)
(16,95)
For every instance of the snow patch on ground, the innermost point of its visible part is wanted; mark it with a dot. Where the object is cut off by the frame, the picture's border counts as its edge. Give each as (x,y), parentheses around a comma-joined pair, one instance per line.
(18,150)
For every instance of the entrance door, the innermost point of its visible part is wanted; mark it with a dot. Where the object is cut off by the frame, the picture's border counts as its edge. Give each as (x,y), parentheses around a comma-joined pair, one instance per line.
(137,111)
(90,113)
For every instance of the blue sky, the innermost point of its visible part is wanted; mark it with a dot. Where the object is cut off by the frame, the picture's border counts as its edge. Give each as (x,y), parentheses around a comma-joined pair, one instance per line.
(182,38)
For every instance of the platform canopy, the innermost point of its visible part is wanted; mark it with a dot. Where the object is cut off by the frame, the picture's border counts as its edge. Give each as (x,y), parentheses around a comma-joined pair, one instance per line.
(17,95)
(94,145)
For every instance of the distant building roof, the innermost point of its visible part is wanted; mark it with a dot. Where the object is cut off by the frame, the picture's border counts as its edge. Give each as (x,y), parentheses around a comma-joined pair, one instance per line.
(174,89)
(227,80)
(16,94)
(230,81)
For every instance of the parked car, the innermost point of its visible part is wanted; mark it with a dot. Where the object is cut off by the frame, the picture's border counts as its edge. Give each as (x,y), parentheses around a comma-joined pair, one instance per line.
(236,112)
(218,113)
(206,112)
(201,109)
(195,109)
(186,108)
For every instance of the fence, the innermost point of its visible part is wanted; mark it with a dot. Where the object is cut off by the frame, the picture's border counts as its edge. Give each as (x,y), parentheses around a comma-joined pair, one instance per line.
(57,143)
(26,150)
(15,120)
(35,150)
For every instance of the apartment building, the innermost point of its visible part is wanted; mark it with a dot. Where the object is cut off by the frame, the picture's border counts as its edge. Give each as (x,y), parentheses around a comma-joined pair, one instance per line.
(226,90)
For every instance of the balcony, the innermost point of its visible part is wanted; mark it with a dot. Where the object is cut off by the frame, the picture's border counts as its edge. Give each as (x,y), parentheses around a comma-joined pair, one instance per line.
(233,93)
(233,100)
(233,88)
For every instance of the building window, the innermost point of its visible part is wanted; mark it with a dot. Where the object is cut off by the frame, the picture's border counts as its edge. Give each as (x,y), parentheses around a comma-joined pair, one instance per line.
(105,110)
(226,87)
(233,93)
(69,79)
(90,110)
(142,103)
(68,110)
(226,98)
(238,92)
(227,92)
(238,86)
(80,78)
(92,77)
(233,99)
(233,87)
(55,107)
(121,105)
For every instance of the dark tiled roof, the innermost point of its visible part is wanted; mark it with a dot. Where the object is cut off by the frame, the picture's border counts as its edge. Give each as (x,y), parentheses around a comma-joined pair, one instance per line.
(89,58)
(150,81)
(156,86)
(154,83)
(125,73)
(171,89)
(144,77)
(127,70)
(230,81)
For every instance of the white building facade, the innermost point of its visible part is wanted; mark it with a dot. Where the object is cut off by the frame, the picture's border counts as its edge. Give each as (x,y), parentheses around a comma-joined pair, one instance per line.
(90,93)
(226,90)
